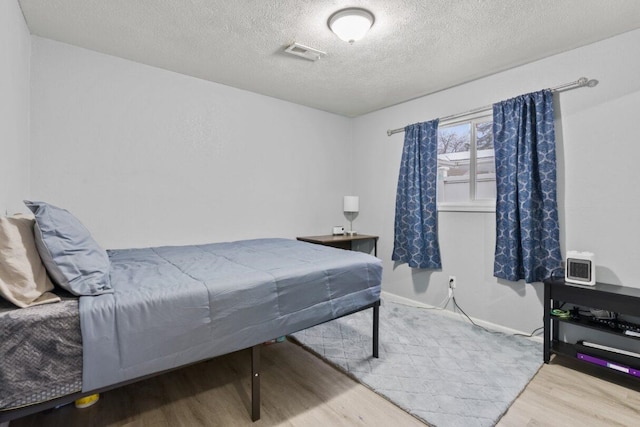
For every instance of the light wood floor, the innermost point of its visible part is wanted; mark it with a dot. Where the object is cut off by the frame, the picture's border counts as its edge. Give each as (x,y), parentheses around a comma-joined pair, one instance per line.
(298,389)
(567,392)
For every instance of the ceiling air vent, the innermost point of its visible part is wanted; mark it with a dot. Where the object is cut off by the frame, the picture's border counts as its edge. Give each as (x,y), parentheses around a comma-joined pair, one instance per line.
(305,52)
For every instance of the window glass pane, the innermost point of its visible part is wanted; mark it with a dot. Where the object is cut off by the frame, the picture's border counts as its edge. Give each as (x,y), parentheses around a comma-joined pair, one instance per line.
(454,143)
(485,162)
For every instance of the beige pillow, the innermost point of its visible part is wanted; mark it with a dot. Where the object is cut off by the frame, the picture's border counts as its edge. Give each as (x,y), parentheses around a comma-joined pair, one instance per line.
(23,278)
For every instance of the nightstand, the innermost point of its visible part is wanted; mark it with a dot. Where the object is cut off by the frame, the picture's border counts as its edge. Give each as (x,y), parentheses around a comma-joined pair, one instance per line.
(341,241)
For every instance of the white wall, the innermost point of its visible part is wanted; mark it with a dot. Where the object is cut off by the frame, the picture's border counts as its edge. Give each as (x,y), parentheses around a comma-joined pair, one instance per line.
(599,199)
(146,157)
(15,51)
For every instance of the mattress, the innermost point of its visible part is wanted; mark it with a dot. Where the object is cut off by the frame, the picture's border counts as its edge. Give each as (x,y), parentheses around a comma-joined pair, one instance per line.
(41,352)
(173,306)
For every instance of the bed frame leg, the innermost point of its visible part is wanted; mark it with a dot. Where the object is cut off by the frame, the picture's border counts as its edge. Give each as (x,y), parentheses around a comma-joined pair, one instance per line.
(255,383)
(376,323)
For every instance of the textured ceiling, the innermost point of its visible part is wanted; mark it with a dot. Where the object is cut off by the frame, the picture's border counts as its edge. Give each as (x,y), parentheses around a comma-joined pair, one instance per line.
(415,47)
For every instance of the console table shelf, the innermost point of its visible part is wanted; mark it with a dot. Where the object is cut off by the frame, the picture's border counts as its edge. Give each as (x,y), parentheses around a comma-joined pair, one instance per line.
(618,299)
(586,323)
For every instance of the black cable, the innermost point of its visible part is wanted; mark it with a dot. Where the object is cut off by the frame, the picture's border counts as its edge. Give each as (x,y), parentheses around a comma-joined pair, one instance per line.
(531,334)
(455,304)
(560,276)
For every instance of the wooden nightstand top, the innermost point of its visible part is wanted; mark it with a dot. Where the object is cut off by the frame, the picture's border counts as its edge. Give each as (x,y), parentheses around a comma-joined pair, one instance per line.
(330,238)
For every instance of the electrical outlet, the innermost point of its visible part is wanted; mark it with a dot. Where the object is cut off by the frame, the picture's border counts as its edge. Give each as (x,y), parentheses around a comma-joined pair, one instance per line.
(452,282)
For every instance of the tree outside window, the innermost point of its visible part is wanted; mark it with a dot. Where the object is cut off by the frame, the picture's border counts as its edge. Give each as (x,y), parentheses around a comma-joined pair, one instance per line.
(466,163)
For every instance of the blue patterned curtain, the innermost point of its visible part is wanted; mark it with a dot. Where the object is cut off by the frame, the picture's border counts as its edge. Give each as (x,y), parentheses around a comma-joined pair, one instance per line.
(416,222)
(527,233)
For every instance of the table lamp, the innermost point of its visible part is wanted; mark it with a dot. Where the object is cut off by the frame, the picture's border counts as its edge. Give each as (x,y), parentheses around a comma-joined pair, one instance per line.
(351,208)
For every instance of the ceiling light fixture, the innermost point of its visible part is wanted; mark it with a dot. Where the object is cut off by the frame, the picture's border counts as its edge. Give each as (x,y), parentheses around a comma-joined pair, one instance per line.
(351,24)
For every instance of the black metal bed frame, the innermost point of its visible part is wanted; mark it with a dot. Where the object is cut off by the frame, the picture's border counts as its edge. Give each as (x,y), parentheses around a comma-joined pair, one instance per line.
(12,414)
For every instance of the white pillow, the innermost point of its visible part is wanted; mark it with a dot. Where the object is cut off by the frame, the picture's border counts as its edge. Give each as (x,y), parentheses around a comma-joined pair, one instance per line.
(23,278)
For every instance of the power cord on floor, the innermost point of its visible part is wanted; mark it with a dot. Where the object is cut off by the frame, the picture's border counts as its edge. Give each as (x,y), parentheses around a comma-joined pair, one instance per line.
(451,297)
(534,332)
(455,305)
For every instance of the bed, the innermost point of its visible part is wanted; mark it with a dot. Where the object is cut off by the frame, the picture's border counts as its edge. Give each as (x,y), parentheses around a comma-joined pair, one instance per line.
(169,307)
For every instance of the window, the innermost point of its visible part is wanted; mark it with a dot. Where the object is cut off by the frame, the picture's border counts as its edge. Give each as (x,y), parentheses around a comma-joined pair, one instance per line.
(466,165)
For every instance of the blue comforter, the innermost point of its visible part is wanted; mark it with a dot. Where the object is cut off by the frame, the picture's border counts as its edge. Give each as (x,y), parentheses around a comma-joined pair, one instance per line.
(176,305)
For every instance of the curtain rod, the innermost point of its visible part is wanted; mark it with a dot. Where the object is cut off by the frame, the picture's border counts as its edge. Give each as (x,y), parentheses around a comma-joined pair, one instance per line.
(581,82)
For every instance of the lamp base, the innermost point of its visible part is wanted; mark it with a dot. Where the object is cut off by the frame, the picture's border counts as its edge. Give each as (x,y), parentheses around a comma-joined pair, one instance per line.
(351,233)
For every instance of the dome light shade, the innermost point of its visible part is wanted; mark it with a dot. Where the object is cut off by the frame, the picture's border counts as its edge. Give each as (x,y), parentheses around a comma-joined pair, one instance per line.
(351,24)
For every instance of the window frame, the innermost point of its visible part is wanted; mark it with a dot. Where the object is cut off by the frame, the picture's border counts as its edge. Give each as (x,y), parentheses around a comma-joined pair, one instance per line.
(472,204)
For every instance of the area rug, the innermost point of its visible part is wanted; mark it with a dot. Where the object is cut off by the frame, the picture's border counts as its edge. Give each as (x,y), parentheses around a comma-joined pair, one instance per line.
(438,367)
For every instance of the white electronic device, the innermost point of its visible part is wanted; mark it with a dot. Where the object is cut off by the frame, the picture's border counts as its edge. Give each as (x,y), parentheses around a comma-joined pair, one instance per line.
(338,230)
(580,268)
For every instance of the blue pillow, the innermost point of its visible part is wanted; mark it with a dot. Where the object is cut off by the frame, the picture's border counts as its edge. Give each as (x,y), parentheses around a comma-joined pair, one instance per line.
(72,258)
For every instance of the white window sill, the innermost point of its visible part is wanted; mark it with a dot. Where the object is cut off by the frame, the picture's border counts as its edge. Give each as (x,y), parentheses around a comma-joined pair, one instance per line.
(479,206)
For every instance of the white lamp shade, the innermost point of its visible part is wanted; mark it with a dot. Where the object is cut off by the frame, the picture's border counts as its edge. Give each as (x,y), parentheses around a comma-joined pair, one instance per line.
(351,204)
(351,24)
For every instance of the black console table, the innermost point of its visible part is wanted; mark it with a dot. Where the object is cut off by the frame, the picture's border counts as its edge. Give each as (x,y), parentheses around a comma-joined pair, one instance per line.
(618,299)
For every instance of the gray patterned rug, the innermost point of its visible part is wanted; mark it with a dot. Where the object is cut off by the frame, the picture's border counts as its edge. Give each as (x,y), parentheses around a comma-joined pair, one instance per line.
(441,369)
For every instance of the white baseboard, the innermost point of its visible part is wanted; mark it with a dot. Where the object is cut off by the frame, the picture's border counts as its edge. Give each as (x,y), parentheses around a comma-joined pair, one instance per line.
(413,303)
(5,424)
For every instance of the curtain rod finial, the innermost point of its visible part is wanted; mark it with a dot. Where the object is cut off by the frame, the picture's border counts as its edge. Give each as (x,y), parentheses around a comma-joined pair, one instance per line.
(583,81)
